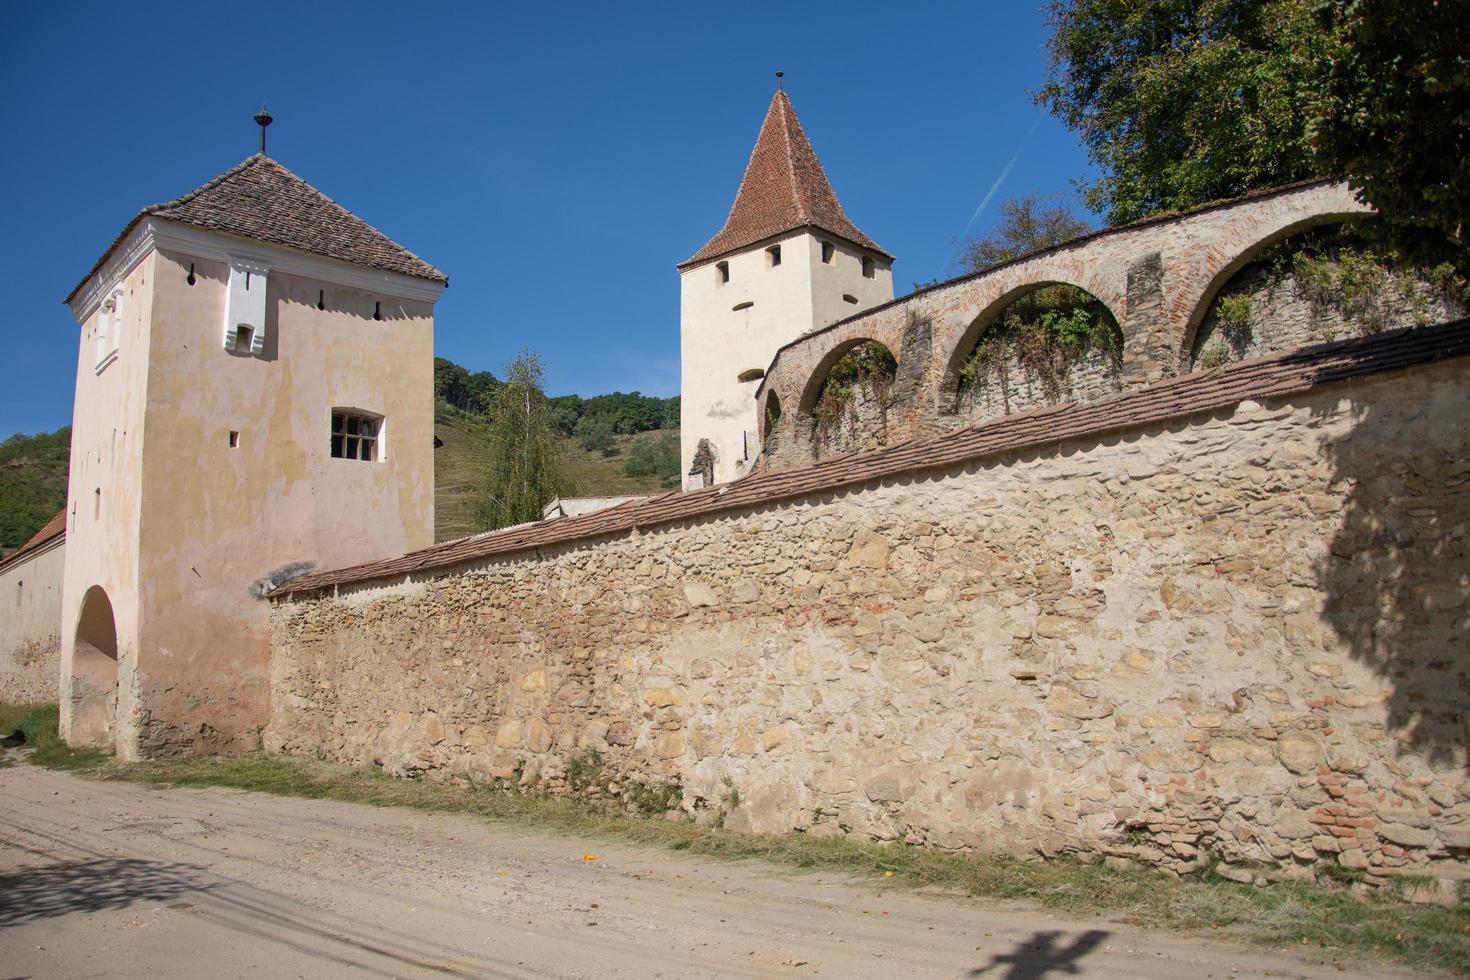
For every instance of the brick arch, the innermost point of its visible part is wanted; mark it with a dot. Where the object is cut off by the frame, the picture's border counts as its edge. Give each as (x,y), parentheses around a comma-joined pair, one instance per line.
(1202,276)
(812,389)
(958,349)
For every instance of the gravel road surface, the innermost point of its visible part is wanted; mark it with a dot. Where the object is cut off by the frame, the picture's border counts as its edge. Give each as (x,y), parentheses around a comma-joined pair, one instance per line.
(114,879)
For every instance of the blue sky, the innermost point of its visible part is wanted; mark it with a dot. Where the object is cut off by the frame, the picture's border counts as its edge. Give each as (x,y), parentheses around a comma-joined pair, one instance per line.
(556,160)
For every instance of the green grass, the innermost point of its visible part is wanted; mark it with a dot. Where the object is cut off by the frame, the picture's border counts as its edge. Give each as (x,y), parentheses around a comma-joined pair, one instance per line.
(1323,920)
(459,466)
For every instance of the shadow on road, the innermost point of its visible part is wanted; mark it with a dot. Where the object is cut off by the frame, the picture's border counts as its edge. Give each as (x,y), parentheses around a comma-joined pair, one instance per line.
(93,886)
(1041,956)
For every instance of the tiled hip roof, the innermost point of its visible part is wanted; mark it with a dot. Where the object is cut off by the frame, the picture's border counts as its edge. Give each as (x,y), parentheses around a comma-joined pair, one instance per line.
(261,200)
(784,188)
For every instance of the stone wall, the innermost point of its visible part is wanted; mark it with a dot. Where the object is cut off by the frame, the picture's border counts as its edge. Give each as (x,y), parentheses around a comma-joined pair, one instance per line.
(1157,277)
(30,626)
(1241,635)
(1285,314)
(1015,387)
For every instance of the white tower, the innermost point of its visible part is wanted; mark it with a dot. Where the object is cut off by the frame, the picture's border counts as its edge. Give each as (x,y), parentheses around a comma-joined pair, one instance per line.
(786,262)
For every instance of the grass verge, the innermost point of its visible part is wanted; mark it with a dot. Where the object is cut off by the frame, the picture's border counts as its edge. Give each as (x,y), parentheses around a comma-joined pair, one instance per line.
(1330,922)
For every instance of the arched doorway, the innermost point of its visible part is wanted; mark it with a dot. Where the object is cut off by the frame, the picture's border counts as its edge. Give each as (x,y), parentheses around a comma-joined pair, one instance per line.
(1041,344)
(94,672)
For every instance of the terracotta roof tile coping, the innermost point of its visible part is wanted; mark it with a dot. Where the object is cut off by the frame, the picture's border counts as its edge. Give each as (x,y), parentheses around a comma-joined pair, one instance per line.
(54,528)
(784,188)
(1270,376)
(261,200)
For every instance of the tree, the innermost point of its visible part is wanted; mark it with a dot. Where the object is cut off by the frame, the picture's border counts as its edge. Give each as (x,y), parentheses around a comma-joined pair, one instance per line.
(654,456)
(523,472)
(1026,225)
(594,433)
(1183,102)
(480,388)
(1392,116)
(451,383)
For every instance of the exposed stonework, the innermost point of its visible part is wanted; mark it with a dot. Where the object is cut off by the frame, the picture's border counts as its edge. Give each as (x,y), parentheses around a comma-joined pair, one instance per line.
(1157,278)
(1285,314)
(1244,635)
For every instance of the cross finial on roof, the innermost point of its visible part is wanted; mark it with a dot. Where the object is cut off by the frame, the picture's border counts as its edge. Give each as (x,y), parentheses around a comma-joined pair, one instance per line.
(779,73)
(263,119)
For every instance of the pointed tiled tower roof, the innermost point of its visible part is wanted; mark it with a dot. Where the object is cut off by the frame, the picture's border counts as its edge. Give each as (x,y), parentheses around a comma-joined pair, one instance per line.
(261,200)
(784,188)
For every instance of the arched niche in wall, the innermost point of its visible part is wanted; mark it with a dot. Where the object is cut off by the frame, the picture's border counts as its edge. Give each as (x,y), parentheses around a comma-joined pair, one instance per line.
(94,668)
(1309,284)
(1042,343)
(847,398)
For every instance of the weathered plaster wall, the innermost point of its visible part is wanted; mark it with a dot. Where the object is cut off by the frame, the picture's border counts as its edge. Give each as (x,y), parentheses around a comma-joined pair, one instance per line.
(1243,634)
(104,507)
(776,304)
(217,520)
(30,626)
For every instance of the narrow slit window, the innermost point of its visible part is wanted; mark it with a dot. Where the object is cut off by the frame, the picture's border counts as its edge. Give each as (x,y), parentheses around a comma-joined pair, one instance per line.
(829,253)
(870,268)
(355,436)
(723,270)
(773,256)
(234,439)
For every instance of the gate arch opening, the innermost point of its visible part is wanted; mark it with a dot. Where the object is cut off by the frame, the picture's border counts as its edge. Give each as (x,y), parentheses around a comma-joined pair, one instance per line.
(94,669)
(847,398)
(1040,344)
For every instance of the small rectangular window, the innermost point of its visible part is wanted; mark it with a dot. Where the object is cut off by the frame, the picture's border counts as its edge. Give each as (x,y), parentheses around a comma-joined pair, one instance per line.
(869,267)
(234,440)
(774,255)
(354,436)
(829,253)
(723,270)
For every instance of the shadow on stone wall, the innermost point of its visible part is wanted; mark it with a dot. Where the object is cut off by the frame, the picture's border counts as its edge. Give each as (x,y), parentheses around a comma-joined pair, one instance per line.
(1397,577)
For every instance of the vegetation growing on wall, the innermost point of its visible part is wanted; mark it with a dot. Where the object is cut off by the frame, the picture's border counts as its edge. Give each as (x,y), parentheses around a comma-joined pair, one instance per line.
(33,471)
(864,372)
(1047,333)
(1346,274)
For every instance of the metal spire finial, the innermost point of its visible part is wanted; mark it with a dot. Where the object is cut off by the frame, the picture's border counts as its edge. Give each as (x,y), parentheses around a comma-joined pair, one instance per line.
(263,119)
(779,73)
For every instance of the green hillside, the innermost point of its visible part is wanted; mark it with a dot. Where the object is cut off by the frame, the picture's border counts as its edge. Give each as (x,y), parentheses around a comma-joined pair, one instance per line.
(32,483)
(459,466)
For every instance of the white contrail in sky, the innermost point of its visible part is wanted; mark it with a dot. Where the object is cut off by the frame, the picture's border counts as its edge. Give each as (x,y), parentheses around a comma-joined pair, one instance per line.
(1005,172)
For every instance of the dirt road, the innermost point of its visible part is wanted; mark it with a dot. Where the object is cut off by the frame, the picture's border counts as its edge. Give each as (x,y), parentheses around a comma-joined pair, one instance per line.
(111,879)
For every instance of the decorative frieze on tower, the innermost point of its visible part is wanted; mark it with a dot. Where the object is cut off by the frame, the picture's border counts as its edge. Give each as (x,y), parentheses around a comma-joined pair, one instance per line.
(787,261)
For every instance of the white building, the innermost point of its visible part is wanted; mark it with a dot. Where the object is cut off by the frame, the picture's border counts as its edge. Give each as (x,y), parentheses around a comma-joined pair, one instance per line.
(786,262)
